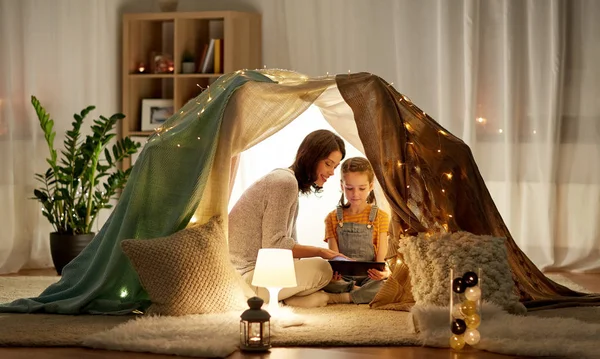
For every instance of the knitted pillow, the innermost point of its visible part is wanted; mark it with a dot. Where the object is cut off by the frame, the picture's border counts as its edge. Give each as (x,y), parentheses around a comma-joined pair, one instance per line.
(430,257)
(396,292)
(188,272)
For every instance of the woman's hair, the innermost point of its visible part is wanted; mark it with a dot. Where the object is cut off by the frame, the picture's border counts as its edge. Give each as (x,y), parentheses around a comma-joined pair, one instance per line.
(316,146)
(358,165)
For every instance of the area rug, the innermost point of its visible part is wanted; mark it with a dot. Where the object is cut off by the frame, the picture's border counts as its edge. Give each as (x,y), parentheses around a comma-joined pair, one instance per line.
(336,325)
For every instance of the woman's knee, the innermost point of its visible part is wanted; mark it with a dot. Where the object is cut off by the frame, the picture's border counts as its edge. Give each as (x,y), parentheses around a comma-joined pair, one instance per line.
(325,272)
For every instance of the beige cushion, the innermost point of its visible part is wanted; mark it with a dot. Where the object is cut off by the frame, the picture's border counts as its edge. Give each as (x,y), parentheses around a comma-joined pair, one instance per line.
(396,292)
(188,272)
(430,257)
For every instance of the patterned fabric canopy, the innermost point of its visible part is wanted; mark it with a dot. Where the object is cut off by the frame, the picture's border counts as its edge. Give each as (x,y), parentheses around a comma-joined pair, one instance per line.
(187,168)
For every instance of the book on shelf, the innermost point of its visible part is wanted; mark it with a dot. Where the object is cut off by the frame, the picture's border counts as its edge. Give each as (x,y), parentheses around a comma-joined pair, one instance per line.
(212,57)
(218,56)
(208,64)
(202,58)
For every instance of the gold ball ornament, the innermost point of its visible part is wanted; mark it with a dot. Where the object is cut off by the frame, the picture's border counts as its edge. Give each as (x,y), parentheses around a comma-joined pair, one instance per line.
(473,321)
(472,336)
(473,293)
(457,342)
(468,307)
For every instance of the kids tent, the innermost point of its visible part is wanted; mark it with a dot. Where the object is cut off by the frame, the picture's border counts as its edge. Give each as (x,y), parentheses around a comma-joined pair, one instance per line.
(187,168)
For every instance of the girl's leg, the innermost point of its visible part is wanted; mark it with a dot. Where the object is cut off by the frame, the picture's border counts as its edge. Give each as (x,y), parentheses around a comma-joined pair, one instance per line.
(346,284)
(366,292)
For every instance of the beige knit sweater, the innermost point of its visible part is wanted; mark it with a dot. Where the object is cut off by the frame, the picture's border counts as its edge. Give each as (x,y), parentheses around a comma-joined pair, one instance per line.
(264,217)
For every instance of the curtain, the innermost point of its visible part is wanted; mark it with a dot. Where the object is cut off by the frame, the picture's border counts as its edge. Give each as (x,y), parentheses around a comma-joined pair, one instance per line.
(66,54)
(528,70)
(518,81)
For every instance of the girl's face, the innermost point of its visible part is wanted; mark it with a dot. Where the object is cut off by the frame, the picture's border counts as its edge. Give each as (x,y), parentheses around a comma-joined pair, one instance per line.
(356,187)
(326,167)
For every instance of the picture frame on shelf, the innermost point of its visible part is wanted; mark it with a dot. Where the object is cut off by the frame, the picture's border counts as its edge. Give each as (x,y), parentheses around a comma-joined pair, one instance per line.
(155,111)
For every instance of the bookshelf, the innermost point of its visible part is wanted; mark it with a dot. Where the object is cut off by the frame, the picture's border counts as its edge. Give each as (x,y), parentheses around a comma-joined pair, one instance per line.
(155,45)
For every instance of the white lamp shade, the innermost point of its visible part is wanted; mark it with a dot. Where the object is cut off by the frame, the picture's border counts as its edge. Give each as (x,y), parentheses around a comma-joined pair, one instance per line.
(274,268)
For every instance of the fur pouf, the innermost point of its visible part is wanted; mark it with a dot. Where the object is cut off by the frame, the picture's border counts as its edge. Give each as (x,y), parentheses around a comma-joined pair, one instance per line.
(505,333)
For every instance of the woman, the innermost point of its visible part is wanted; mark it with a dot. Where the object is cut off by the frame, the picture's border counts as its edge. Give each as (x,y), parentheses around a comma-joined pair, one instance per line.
(265,217)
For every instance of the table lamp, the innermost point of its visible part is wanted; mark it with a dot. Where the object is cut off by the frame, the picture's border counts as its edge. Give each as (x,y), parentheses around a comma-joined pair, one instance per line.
(274,270)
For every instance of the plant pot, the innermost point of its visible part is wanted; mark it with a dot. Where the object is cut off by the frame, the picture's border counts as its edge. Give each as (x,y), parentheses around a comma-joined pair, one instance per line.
(188,67)
(65,247)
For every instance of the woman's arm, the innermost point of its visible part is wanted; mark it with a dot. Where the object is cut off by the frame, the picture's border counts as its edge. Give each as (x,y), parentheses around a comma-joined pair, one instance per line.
(280,203)
(302,251)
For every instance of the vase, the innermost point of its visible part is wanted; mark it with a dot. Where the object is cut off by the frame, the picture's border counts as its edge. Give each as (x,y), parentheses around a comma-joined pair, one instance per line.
(188,67)
(168,5)
(65,247)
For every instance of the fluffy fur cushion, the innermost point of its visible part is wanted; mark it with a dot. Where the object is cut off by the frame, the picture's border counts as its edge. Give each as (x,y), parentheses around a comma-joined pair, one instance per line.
(430,258)
(188,272)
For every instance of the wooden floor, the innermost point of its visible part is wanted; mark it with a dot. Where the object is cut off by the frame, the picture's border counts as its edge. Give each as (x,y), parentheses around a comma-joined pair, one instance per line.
(590,281)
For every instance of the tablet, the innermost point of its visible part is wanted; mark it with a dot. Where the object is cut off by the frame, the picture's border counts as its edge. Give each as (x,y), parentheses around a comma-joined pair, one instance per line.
(355,268)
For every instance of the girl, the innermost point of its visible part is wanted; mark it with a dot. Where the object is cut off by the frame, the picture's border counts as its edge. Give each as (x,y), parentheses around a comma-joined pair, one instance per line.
(357,229)
(265,217)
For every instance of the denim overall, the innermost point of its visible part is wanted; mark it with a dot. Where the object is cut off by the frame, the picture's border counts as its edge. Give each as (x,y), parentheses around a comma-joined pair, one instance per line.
(355,240)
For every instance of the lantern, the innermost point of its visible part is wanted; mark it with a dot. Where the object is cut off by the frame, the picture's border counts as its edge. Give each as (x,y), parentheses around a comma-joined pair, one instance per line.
(255,327)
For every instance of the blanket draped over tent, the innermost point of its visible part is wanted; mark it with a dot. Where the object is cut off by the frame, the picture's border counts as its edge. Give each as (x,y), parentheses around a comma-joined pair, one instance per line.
(428,176)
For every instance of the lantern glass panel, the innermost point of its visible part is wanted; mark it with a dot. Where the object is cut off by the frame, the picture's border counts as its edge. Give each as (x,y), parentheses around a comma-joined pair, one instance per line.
(266,333)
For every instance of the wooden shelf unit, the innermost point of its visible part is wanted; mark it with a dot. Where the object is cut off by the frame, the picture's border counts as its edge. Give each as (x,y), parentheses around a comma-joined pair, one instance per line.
(175,33)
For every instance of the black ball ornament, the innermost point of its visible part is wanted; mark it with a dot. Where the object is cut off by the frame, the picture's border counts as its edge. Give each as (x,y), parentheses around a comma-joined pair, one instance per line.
(470,279)
(458,326)
(458,286)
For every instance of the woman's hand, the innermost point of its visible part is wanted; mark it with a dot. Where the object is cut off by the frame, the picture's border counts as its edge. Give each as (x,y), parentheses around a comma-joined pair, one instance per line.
(327,253)
(375,274)
(336,277)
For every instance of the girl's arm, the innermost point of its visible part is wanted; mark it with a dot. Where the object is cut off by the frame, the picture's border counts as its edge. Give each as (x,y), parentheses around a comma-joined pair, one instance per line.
(382,247)
(333,244)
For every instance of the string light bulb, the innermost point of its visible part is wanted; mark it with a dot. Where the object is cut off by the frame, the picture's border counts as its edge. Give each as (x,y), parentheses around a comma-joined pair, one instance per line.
(481,120)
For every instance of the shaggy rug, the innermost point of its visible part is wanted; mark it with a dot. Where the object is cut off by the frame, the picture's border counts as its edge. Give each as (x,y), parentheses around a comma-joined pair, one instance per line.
(566,331)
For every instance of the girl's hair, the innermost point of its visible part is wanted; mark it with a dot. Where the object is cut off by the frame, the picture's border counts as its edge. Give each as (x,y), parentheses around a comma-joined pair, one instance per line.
(358,165)
(316,146)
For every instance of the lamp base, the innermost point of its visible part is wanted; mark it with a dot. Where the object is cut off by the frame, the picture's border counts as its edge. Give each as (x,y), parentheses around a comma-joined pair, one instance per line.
(273,307)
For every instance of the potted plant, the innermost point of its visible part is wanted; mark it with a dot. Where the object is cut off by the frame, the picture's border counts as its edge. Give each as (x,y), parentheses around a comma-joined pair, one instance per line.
(188,66)
(79,183)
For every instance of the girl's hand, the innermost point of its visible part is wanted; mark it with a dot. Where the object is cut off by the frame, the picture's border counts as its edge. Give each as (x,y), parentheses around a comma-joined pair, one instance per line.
(375,274)
(336,277)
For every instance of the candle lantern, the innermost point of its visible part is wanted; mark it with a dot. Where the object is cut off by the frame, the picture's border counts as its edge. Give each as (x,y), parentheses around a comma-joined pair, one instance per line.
(255,327)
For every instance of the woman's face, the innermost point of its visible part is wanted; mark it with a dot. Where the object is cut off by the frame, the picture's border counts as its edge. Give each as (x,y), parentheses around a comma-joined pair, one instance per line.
(326,166)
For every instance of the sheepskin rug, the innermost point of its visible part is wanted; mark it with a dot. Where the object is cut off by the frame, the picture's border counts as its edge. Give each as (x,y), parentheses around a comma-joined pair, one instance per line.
(570,332)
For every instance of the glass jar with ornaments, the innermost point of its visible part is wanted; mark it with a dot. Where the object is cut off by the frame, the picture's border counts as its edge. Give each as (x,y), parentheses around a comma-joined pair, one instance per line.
(465,307)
